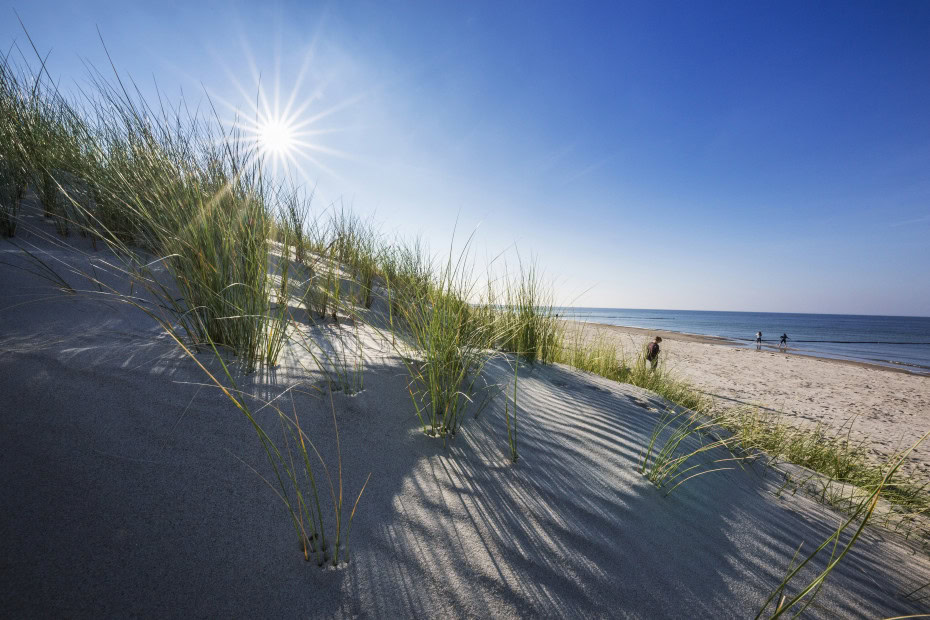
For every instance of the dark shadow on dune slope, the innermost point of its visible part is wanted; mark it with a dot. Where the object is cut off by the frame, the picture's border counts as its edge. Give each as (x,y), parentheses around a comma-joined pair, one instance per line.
(123,488)
(124,491)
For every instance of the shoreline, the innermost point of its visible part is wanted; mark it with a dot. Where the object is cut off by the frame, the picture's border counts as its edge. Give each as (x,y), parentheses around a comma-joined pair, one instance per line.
(727,342)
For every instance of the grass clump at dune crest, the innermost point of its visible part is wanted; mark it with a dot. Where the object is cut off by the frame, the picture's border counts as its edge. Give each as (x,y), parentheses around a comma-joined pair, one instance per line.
(449,349)
(522,316)
(863,513)
(667,466)
(662,381)
(596,354)
(837,457)
(355,243)
(14,174)
(599,354)
(161,189)
(292,474)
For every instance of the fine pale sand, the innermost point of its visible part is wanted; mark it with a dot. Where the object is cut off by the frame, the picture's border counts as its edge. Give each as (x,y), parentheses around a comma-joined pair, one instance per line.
(890,409)
(127,491)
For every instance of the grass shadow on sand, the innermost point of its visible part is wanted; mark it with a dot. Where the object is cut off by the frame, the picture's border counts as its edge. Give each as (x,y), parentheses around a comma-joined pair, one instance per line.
(572,529)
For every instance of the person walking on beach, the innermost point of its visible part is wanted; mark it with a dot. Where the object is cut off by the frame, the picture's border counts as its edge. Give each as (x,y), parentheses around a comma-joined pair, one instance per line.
(758,341)
(652,352)
(784,341)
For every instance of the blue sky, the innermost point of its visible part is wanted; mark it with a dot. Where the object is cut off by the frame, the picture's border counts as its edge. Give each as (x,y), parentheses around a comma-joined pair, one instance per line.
(721,156)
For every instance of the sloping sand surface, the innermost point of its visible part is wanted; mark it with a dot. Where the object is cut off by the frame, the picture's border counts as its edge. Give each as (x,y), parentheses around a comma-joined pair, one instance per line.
(890,409)
(126,492)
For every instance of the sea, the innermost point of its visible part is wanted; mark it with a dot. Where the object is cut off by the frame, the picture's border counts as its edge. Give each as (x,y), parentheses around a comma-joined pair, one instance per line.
(895,341)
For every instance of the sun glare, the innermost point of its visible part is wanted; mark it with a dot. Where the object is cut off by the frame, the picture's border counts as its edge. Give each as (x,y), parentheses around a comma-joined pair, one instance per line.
(276,137)
(285,129)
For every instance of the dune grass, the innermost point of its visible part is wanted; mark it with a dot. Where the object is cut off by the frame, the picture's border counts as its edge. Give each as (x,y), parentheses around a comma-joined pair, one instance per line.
(291,226)
(290,474)
(14,173)
(663,381)
(848,471)
(595,353)
(192,195)
(40,135)
(663,461)
(449,349)
(522,318)
(599,354)
(407,270)
(356,246)
(321,289)
(864,512)
(189,214)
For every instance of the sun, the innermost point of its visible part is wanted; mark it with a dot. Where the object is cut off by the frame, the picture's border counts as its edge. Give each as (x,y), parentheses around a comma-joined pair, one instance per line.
(277,138)
(283,124)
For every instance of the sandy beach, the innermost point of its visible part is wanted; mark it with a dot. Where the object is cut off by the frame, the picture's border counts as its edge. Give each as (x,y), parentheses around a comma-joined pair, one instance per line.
(890,407)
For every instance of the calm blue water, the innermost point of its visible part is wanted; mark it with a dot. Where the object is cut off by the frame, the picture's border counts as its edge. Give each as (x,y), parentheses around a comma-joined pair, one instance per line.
(825,330)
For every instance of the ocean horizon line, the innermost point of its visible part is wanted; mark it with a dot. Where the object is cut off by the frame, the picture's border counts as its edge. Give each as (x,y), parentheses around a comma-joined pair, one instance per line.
(847,314)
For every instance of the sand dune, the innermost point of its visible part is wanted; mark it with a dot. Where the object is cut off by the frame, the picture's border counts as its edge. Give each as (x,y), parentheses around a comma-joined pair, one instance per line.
(126,491)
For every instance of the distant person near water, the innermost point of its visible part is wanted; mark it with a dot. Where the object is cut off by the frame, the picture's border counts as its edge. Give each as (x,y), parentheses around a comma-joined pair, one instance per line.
(784,341)
(758,340)
(652,352)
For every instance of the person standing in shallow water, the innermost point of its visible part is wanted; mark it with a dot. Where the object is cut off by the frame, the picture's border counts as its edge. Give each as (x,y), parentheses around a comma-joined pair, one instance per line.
(784,341)
(652,352)
(758,341)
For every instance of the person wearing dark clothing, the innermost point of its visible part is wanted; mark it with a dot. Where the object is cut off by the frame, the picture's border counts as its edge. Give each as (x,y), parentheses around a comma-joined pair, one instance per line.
(652,352)
(758,340)
(784,341)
